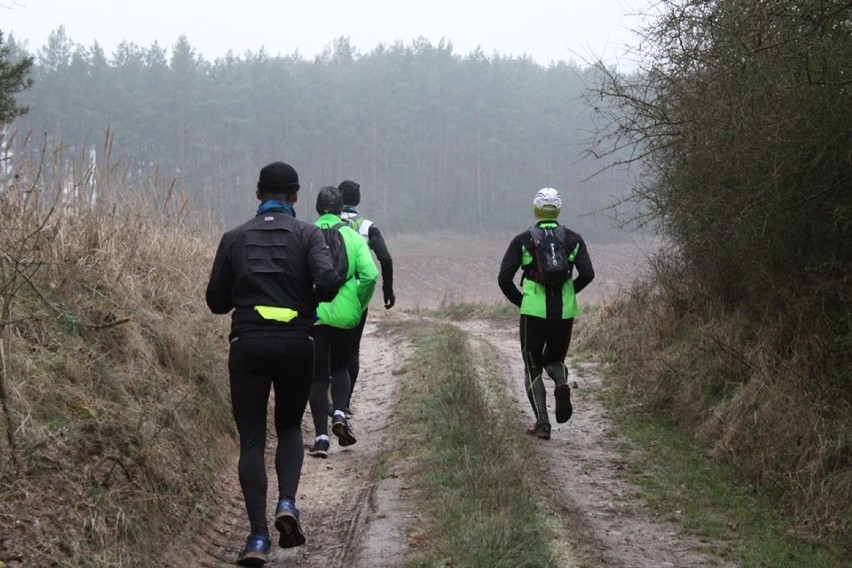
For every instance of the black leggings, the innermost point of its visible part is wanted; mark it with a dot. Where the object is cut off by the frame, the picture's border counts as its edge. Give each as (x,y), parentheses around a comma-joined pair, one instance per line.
(355,356)
(256,364)
(334,348)
(544,345)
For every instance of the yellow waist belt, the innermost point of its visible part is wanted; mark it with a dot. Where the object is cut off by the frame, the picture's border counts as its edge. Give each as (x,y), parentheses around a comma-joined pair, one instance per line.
(276,314)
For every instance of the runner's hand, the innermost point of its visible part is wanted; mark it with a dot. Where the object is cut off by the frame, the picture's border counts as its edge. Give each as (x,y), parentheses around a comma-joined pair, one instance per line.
(390,299)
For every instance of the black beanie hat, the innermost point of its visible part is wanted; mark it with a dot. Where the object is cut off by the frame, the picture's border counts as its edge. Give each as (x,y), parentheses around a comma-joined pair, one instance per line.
(329,200)
(278,177)
(351,192)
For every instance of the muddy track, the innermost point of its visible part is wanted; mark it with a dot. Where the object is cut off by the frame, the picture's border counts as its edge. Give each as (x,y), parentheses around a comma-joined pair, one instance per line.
(355,508)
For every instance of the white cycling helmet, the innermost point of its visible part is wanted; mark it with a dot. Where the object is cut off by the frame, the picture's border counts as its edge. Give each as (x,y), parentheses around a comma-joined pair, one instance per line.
(547,204)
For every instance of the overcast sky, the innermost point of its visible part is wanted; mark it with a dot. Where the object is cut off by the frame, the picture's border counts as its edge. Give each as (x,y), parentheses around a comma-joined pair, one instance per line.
(546,30)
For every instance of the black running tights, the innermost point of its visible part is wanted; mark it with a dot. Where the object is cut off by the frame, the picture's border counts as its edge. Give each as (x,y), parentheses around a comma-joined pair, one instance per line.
(355,356)
(544,345)
(257,364)
(334,347)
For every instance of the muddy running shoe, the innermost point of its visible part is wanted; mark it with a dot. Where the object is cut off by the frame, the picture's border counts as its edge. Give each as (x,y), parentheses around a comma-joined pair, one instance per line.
(255,552)
(563,403)
(341,428)
(287,523)
(319,449)
(539,430)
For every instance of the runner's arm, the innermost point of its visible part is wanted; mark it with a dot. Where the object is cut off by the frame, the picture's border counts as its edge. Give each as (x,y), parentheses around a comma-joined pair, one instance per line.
(218,294)
(508,268)
(378,246)
(368,274)
(585,270)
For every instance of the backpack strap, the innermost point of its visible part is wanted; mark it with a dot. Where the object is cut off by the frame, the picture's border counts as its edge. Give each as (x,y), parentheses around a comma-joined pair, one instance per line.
(536,234)
(573,255)
(559,231)
(357,222)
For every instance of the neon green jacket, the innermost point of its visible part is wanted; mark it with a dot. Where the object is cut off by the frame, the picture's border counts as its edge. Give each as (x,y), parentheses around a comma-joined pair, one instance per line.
(345,310)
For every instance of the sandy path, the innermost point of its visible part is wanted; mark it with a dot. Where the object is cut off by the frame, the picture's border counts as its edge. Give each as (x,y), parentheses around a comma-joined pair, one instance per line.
(351,507)
(597,505)
(355,508)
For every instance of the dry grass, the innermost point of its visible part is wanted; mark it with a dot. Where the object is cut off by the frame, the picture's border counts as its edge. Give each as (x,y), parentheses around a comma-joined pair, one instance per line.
(720,377)
(111,374)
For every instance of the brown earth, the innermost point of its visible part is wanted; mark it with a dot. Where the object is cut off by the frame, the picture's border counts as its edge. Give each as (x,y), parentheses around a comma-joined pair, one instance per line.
(355,506)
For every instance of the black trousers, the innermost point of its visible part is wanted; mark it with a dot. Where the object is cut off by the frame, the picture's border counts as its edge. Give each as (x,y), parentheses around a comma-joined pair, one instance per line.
(355,357)
(334,350)
(544,346)
(256,365)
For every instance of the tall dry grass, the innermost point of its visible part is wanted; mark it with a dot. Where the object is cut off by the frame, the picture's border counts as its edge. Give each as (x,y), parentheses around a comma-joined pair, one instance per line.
(115,410)
(770,414)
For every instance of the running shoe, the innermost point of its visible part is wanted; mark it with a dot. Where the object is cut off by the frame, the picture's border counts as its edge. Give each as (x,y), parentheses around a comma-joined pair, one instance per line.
(563,403)
(341,428)
(319,449)
(255,552)
(539,430)
(287,523)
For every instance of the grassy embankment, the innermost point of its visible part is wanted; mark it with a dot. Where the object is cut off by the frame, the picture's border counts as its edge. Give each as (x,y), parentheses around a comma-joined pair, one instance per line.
(115,413)
(734,447)
(684,481)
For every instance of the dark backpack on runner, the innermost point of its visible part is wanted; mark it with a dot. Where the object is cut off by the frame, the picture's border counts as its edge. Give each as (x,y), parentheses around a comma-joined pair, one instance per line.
(337,248)
(551,263)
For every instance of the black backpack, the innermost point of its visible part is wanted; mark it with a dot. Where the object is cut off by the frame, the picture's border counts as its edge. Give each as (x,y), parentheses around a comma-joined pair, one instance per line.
(337,248)
(551,263)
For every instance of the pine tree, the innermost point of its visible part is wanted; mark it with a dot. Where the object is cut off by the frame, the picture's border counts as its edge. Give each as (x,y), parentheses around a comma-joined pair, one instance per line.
(13,79)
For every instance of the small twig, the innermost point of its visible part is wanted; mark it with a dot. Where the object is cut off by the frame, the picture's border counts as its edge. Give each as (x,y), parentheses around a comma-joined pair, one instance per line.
(106,325)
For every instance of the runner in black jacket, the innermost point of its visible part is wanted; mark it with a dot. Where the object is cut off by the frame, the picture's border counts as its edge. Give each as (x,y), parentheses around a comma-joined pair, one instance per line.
(271,271)
(547,309)
(367,229)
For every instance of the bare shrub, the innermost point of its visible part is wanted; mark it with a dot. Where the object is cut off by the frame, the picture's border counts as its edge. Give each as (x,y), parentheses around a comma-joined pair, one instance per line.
(742,114)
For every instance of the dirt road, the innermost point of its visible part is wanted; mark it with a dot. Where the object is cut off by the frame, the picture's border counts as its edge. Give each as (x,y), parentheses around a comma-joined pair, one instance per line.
(352,515)
(355,507)
(354,504)
(605,523)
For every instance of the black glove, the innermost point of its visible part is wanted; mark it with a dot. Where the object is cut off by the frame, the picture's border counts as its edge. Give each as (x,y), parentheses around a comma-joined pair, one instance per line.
(390,299)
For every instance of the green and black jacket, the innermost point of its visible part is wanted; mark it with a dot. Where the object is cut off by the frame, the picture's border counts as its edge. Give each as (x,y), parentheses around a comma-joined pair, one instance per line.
(557,301)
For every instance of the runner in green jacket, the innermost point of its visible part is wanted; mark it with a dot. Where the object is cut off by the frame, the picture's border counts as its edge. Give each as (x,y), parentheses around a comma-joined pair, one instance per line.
(547,309)
(334,330)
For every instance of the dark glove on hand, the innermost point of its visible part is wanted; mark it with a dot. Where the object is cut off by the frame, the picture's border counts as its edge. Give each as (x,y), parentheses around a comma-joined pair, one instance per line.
(390,299)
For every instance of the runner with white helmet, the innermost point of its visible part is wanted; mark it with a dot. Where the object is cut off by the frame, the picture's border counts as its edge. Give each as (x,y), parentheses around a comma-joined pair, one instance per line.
(548,255)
